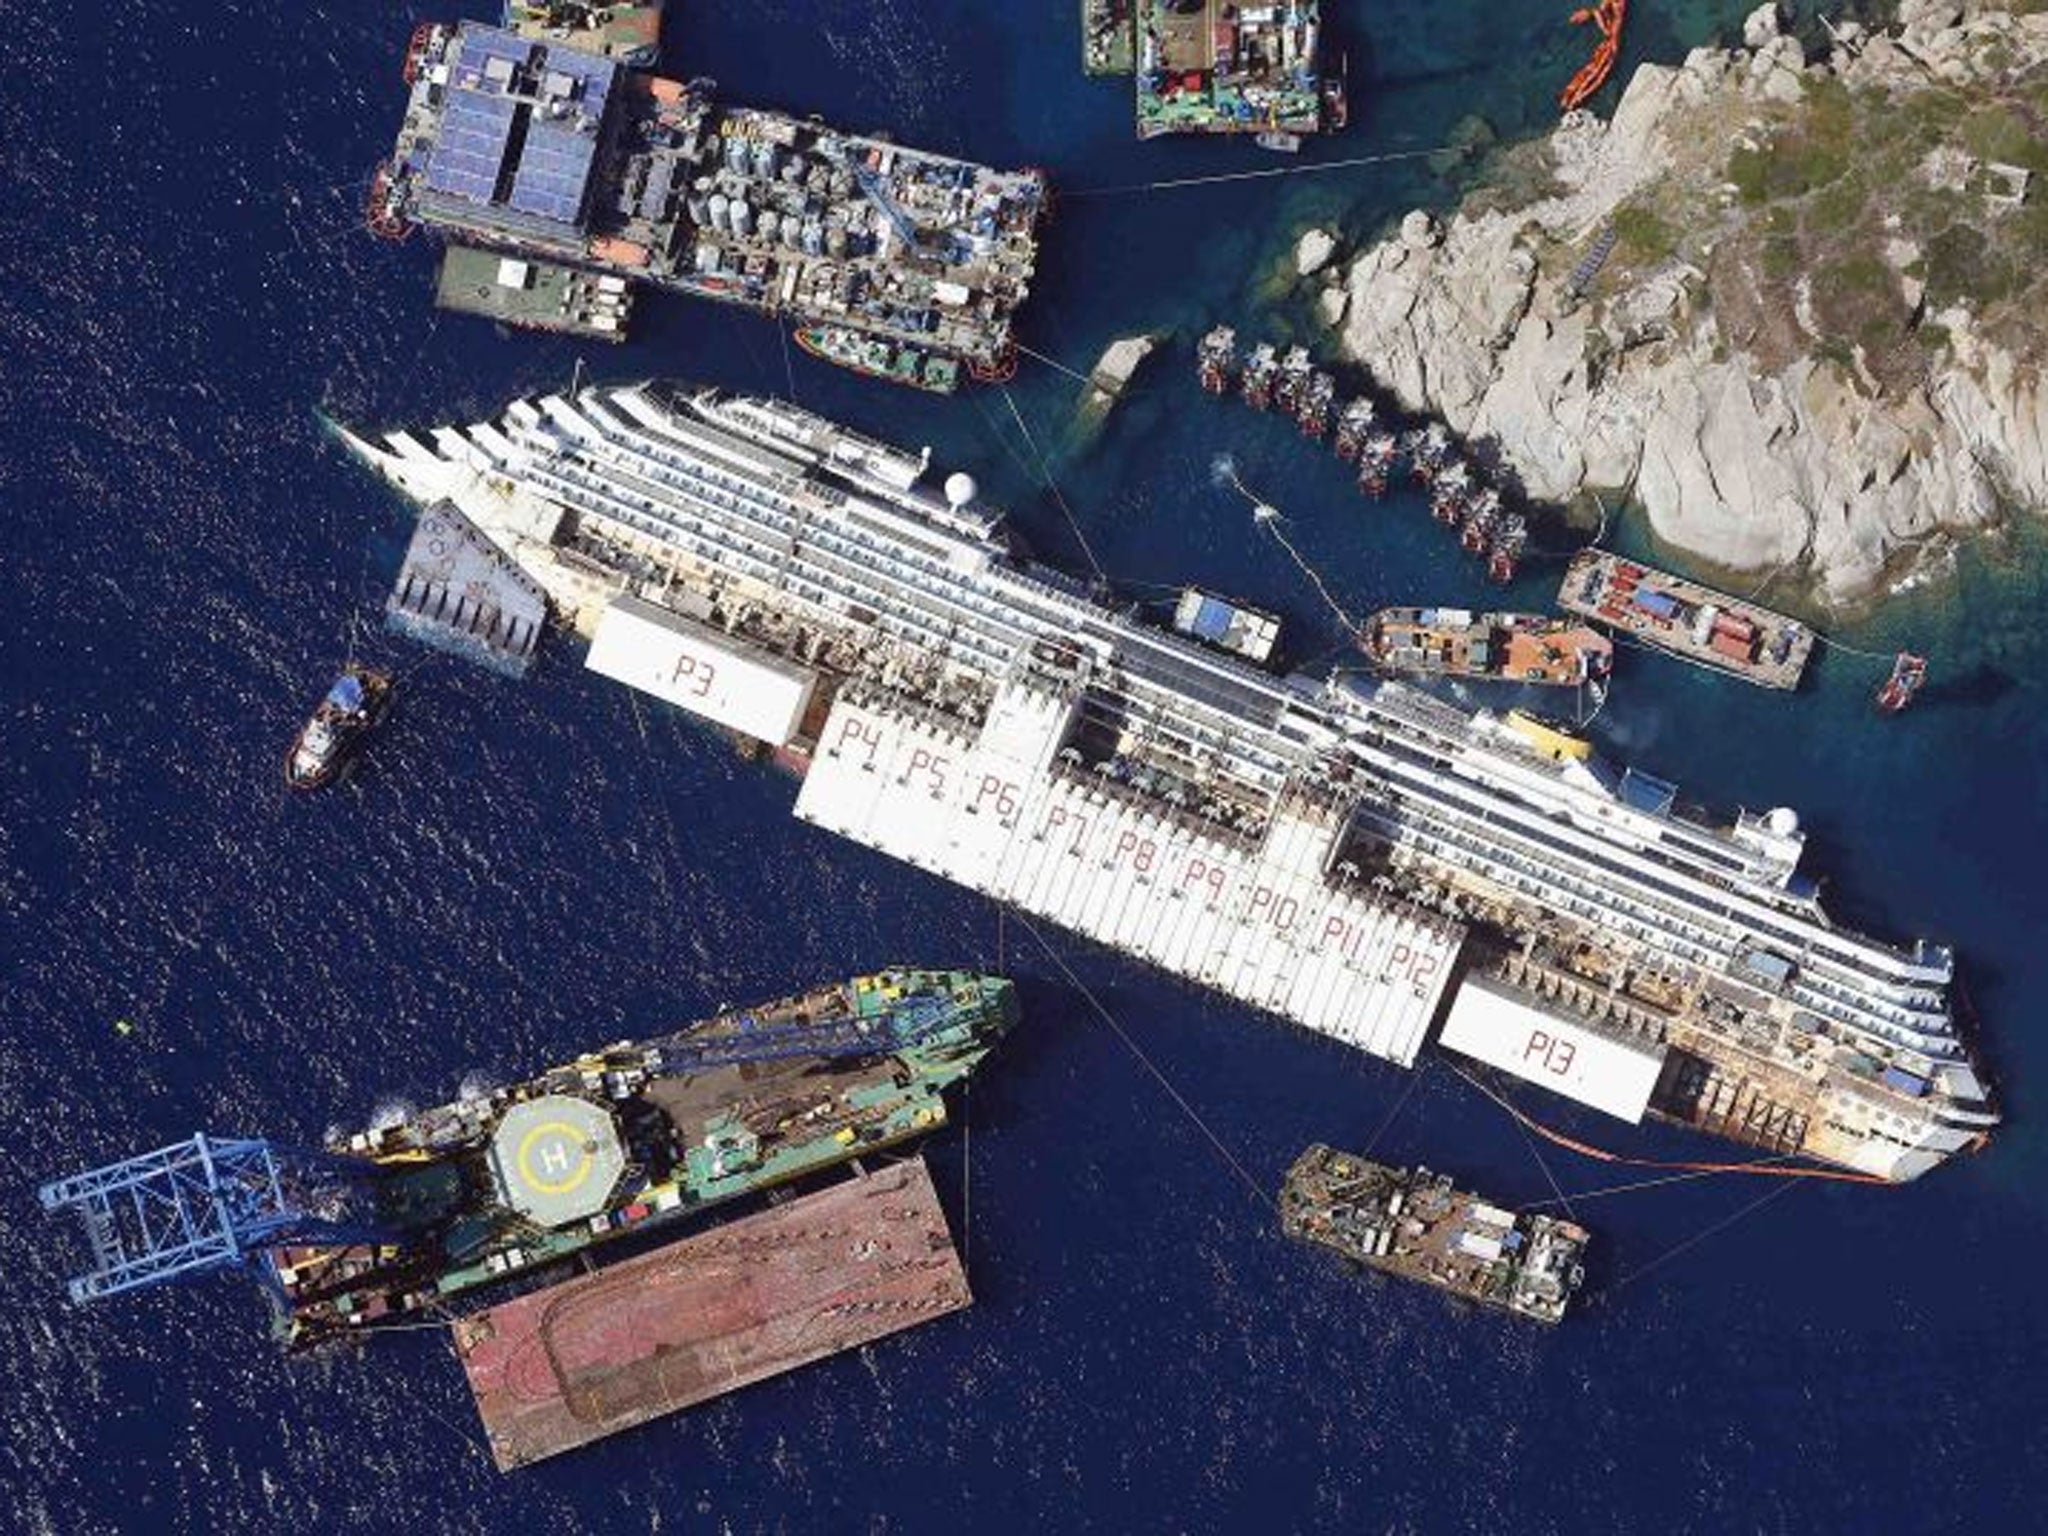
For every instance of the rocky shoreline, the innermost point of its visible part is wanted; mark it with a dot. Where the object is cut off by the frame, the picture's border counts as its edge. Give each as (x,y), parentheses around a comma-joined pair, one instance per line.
(1793,307)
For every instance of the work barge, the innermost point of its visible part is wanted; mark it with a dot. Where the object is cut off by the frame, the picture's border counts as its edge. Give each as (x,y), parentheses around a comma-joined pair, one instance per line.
(1687,619)
(1418,1225)
(405,1223)
(1206,67)
(528,148)
(1353,854)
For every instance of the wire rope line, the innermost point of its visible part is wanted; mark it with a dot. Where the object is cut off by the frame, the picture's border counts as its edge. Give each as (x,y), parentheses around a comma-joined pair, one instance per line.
(1759,1167)
(1045,474)
(1258,1191)
(1268,517)
(1352,163)
(1053,362)
(1699,1237)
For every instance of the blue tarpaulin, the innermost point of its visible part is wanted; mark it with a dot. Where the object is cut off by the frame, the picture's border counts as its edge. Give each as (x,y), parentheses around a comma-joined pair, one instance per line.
(1646,792)
(347,693)
(1659,605)
(1212,619)
(1905,1082)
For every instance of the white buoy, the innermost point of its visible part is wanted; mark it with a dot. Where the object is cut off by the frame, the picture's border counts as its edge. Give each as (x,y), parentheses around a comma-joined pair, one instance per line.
(960,490)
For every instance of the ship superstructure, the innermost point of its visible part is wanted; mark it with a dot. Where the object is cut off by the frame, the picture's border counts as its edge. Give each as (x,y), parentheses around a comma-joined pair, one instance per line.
(1356,856)
(531,147)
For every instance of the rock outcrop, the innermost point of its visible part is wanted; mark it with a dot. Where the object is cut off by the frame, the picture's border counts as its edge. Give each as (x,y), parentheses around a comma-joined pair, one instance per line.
(1721,302)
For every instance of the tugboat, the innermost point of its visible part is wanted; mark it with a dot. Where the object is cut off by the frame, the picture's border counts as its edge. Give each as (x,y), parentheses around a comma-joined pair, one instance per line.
(1509,540)
(1482,515)
(1353,422)
(1259,374)
(1312,411)
(1215,358)
(1447,492)
(1909,675)
(1427,449)
(330,739)
(1295,369)
(1376,460)
(879,358)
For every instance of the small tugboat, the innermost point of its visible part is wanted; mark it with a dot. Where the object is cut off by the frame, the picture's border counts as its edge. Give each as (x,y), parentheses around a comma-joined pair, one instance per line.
(329,740)
(1427,449)
(1353,422)
(1482,517)
(1312,410)
(1510,538)
(1215,358)
(1259,372)
(879,358)
(1376,460)
(1447,492)
(1295,370)
(1909,675)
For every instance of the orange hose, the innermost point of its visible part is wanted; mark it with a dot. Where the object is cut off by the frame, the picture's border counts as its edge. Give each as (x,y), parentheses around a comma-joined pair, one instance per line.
(1757,1169)
(1607,17)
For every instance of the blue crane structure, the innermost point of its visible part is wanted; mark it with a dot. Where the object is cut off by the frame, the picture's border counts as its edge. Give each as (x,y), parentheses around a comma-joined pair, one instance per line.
(852,1034)
(207,1204)
(871,185)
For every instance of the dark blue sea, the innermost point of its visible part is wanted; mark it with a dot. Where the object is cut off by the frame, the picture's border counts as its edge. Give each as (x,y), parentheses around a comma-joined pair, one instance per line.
(524,869)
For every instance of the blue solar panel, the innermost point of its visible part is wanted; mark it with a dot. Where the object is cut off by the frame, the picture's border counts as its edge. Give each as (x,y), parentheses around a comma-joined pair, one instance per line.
(497,76)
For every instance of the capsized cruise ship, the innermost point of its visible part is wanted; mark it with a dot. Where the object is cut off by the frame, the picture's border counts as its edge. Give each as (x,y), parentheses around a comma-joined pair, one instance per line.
(1356,856)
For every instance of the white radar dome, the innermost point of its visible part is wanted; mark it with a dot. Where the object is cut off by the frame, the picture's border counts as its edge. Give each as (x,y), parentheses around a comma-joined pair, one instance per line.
(1784,821)
(960,489)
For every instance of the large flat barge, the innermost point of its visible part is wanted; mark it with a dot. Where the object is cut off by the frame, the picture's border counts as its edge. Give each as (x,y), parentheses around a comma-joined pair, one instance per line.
(1353,855)
(539,150)
(1672,613)
(1418,1225)
(711,1313)
(532,295)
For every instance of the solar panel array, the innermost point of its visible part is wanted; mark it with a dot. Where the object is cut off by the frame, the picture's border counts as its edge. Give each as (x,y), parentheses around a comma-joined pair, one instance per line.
(562,94)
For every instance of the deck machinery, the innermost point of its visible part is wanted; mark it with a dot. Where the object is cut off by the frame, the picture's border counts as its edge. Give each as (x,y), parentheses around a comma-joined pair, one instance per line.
(537,150)
(405,1218)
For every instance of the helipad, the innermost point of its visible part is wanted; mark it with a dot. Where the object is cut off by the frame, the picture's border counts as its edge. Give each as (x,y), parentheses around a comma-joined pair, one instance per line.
(556,1159)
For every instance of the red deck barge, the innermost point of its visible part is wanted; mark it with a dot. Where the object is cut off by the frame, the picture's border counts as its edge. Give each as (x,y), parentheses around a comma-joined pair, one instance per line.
(693,1320)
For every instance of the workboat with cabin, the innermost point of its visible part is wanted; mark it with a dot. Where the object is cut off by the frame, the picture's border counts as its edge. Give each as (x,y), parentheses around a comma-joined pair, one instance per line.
(1512,647)
(331,737)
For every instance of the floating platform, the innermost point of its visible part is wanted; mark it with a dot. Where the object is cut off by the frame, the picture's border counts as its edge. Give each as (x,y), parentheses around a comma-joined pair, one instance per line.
(1506,647)
(627,32)
(1233,627)
(532,295)
(458,593)
(1106,37)
(1213,68)
(1413,1223)
(1695,622)
(693,1321)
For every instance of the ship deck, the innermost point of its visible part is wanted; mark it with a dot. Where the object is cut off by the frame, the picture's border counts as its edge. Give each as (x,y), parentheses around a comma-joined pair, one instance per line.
(748,1300)
(533,295)
(1771,652)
